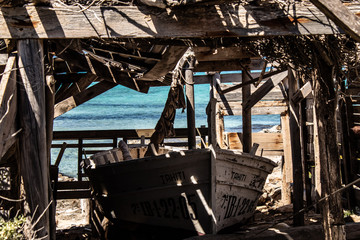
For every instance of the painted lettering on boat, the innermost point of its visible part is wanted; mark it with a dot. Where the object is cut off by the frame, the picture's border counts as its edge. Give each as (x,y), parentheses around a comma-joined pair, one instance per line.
(257,182)
(238,176)
(172,177)
(236,206)
(173,208)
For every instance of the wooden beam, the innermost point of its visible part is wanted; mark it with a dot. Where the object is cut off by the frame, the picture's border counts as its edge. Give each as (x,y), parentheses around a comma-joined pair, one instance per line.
(287,169)
(302,93)
(32,116)
(261,108)
(168,62)
(8,108)
(264,89)
(298,189)
(76,87)
(246,114)
(341,15)
(84,96)
(190,102)
(145,22)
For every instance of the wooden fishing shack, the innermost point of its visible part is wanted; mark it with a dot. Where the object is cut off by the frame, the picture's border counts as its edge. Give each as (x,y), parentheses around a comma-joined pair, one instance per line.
(57,55)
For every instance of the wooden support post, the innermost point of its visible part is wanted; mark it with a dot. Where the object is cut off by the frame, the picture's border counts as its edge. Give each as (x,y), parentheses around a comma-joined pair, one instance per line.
(49,106)
(190,103)
(33,145)
(246,114)
(287,177)
(326,145)
(298,188)
(80,153)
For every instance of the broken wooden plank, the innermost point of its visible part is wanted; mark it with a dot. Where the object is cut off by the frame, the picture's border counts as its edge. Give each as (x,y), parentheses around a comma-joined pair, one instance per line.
(302,93)
(8,105)
(74,101)
(76,87)
(264,89)
(145,22)
(341,15)
(168,62)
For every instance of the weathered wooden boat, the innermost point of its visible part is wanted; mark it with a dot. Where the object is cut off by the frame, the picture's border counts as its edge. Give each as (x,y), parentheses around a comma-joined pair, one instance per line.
(204,190)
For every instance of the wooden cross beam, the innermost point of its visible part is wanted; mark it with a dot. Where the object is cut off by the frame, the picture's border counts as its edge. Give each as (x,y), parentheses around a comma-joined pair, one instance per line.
(226,20)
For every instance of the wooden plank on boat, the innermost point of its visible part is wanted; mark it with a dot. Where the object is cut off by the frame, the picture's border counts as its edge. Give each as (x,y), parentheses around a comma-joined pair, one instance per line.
(8,106)
(145,22)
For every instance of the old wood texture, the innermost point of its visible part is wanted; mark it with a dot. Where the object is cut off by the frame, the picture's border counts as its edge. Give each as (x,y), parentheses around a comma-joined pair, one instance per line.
(190,102)
(144,22)
(216,122)
(246,114)
(287,169)
(270,144)
(294,122)
(341,15)
(81,97)
(263,90)
(325,108)
(8,106)
(34,161)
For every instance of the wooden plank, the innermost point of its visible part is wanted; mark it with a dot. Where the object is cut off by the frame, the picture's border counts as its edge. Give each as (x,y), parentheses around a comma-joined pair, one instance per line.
(341,15)
(298,189)
(145,22)
(261,108)
(236,95)
(167,63)
(264,90)
(225,78)
(190,102)
(74,101)
(8,105)
(302,93)
(111,134)
(226,65)
(73,185)
(76,87)
(33,157)
(266,141)
(209,54)
(246,114)
(78,194)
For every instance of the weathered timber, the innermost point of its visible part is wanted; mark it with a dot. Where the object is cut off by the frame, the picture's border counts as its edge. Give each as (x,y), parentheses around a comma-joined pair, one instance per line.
(298,189)
(33,160)
(8,108)
(287,169)
(216,121)
(341,15)
(209,54)
(49,107)
(225,78)
(166,64)
(238,86)
(270,144)
(144,22)
(225,65)
(190,102)
(263,90)
(332,211)
(74,101)
(75,88)
(302,93)
(246,114)
(261,108)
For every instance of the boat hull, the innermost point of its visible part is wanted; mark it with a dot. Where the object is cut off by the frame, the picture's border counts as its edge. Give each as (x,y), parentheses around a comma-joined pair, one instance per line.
(200,190)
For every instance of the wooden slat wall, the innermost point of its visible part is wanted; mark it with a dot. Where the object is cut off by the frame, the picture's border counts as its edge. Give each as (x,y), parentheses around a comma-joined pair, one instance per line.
(270,143)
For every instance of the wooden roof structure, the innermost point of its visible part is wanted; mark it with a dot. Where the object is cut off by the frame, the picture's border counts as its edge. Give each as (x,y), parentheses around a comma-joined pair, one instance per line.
(137,45)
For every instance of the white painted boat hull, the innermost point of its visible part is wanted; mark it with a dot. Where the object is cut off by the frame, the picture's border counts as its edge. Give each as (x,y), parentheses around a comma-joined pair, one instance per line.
(200,190)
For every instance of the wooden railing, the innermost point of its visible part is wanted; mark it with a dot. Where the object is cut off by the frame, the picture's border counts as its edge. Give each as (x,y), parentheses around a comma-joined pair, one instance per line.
(80,188)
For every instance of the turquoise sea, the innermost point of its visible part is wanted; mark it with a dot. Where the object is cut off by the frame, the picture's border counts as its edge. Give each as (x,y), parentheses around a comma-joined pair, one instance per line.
(123,108)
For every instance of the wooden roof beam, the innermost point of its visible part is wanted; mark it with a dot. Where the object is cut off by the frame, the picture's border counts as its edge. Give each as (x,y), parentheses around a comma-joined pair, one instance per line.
(341,15)
(226,20)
